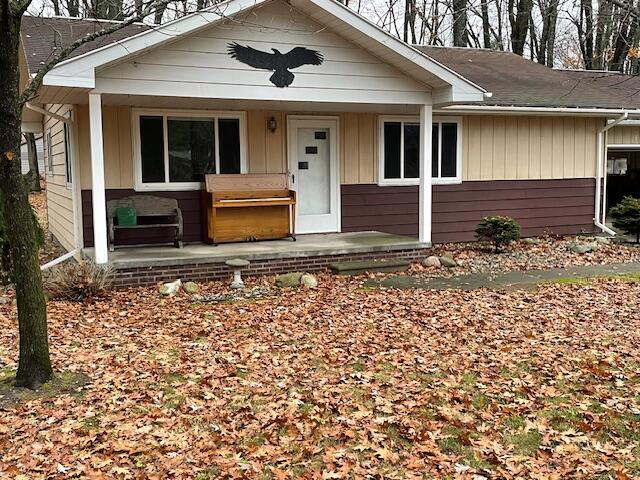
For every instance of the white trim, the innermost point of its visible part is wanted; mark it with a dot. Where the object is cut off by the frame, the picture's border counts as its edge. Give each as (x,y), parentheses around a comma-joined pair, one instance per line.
(97,180)
(47,113)
(624,146)
(426,187)
(76,191)
(165,113)
(321,121)
(506,110)
(389,182)
(80,71)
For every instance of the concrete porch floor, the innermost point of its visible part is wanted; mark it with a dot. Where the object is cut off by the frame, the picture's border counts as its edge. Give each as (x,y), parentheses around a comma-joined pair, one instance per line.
(312,245)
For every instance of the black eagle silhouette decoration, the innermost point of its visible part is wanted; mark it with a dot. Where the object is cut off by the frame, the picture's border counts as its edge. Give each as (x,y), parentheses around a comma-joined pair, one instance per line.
(279,63)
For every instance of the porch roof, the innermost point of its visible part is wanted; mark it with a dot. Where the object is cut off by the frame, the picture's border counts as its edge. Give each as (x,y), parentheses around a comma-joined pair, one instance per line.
(445,84)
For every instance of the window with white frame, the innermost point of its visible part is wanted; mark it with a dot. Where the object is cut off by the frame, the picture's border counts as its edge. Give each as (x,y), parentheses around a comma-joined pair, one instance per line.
(176,149)
(67,155)
(49,150)
(400,155)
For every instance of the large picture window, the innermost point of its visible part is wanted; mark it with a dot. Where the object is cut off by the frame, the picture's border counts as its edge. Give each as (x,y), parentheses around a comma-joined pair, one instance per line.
(176,149)
(400,155)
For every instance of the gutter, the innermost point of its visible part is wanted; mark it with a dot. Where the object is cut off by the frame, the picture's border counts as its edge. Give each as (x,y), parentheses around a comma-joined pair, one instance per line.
(58,260)
(601,184)
(592,112)
(47,113)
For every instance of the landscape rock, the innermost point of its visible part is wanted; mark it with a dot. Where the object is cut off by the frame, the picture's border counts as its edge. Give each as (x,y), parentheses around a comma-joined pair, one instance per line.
(582,248)
(309,280)
(171,288)
(530,241)
(191,288)
(291,279)
(603,240)
(448,262)
(432,261)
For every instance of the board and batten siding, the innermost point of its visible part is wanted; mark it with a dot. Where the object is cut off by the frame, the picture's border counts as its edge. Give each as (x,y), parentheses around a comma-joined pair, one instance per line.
(519,147)
(59,195)
(201,66)
(624,135)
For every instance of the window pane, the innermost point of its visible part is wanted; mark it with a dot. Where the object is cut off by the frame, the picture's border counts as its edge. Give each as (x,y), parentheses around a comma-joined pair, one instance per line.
(434,151)
(152,149)
(411,151)
(449,149)
(229,148)
(392,149)
(67,154)
(190,149)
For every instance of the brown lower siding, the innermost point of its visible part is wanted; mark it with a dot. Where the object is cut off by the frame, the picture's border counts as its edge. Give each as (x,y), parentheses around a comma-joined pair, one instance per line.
(189,202)
(540,206)
(140,276)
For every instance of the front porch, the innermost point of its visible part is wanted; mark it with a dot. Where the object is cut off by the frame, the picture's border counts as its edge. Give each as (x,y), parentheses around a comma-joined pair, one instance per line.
(149,265)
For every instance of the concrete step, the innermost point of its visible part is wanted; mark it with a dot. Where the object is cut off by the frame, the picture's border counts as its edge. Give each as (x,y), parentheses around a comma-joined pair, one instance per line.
(364,266)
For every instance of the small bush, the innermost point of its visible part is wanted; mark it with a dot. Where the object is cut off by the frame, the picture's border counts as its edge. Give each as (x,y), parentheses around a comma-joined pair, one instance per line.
(500,231)
(77,280)
(626,216)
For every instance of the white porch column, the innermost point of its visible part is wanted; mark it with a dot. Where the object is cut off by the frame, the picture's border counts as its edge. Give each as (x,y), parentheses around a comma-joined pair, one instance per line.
(97,180)
(426,120)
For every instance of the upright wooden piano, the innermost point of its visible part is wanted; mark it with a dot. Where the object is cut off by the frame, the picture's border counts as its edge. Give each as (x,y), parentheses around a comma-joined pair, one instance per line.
(248,207)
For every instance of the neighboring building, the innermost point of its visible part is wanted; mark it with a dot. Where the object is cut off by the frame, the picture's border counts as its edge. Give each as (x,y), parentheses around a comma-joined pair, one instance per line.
(498,134)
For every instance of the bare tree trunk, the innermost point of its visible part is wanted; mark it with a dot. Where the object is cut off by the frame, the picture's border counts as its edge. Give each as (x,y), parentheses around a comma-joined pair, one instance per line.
(34,365)
(460,33)
(56,7)
(587,40)
(549,13)
(486,26)
(73,8)
(409,23)
(33,175)
(603,32)
(626,33)
(157,17)
(520,21)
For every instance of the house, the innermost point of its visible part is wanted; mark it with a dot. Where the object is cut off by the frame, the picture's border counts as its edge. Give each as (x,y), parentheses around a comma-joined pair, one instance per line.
(495,133)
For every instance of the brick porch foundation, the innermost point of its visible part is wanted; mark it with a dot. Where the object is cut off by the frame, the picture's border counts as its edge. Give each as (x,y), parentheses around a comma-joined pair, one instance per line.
(200,272)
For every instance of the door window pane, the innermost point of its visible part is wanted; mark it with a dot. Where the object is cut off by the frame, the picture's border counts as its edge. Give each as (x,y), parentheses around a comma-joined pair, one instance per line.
(191,144)
(411,150)
(229,148)
(152,149)
(392,138)
(449,149)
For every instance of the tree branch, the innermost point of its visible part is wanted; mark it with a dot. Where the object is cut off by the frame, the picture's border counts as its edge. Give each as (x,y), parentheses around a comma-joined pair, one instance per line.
(36,82)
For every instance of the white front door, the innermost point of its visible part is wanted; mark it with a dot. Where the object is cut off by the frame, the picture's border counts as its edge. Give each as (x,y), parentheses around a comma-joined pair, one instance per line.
(313,173)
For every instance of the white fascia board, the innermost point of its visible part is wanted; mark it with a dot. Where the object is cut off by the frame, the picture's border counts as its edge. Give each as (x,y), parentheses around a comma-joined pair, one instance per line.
(403,49)
(508,110)
(80,70)
(453,94)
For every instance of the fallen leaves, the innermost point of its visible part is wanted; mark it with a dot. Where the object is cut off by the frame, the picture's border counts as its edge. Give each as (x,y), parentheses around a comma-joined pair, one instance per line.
(337,382)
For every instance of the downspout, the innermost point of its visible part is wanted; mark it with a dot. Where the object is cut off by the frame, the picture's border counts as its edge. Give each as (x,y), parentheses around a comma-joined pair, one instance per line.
(600,202)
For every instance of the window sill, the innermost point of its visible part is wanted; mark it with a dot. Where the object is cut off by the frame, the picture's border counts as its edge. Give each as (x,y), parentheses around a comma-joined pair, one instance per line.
(413,183)
(164,187)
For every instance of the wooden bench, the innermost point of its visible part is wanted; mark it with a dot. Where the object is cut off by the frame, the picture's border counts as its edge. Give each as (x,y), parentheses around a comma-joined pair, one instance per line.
(147,206)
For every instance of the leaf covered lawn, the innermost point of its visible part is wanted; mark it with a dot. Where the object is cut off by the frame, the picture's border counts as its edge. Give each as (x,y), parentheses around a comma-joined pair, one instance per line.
(338,382)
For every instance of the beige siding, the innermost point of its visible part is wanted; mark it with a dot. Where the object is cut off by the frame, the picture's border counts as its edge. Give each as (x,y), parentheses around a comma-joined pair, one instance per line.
(625,135)
(511,148)
(59,196)
(494,147)
(118,163)
(202,64)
